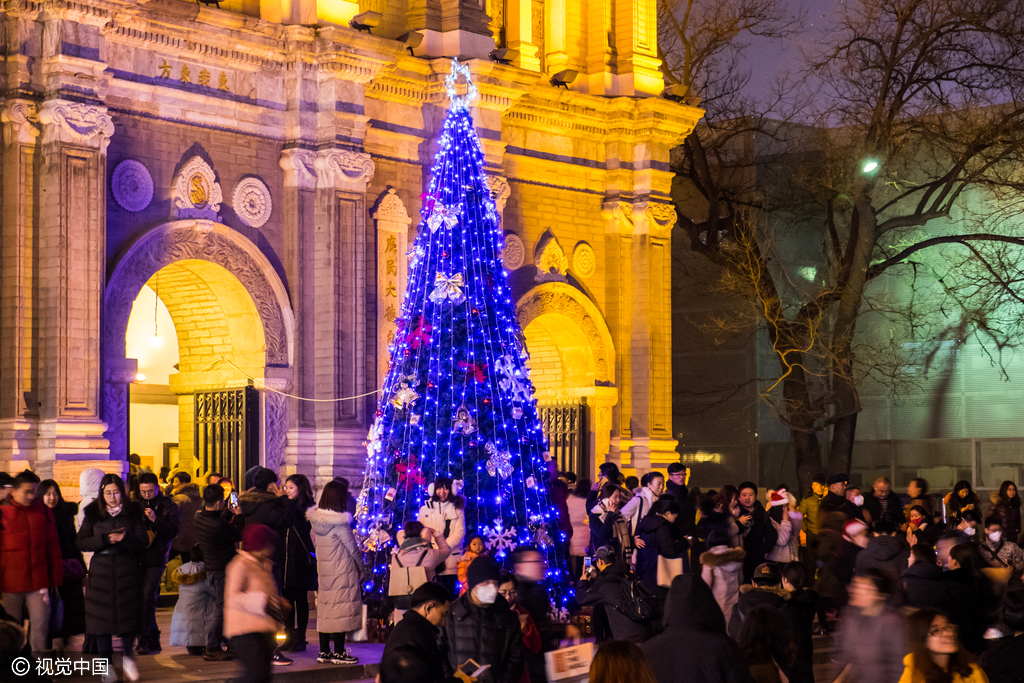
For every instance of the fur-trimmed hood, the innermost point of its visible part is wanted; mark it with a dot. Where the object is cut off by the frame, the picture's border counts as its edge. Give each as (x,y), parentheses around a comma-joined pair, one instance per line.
(255,496)
(325,521)
(721,558)
(781,592)
(191,490)
(189,573)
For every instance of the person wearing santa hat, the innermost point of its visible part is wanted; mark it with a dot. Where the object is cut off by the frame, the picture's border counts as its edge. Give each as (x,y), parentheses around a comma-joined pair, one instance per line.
(788,521)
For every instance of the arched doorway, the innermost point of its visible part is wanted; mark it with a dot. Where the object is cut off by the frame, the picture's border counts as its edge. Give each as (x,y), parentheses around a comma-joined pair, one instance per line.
(233,328)
(572,365)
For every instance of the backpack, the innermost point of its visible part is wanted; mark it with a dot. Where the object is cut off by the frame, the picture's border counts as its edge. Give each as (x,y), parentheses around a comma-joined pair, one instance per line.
(637,602)
(405,580)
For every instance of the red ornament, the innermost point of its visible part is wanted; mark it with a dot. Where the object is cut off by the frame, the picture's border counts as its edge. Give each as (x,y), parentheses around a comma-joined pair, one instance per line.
(487,401)
(474,370)
(430,385)
(444,254)
(420,335)
(475,311)
(409,472)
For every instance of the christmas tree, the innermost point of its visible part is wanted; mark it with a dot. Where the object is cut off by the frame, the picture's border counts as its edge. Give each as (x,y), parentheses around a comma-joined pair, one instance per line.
(457,400)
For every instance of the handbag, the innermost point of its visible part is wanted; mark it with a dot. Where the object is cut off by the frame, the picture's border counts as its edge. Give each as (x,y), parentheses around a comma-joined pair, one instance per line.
(56,611)
(310,555)
(73,570)
(668,569)
(405,580)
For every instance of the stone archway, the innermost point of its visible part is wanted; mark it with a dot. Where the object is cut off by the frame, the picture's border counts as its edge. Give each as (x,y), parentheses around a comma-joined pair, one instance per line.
(572,357)
(220,259)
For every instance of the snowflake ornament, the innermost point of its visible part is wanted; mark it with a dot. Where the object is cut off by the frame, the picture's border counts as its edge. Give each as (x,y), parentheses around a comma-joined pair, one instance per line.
(513,378)
(559,615)
(499,463)
(500,538)
(410,472)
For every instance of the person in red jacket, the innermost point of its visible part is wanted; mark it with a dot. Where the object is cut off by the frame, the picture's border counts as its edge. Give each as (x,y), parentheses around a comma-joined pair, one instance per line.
(30,559)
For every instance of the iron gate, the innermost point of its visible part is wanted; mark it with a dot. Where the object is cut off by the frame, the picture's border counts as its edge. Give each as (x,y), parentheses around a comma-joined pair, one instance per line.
(227,437)
(566,431)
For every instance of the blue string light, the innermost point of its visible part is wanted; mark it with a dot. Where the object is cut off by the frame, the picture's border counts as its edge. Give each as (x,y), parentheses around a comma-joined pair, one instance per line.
(472,358)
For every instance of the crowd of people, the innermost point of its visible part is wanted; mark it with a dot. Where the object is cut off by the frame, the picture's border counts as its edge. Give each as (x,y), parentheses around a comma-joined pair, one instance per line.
(248,561)
(728,586)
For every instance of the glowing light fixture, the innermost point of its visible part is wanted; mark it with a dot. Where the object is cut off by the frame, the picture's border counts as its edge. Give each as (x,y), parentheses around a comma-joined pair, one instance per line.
(503,55)
(870,166)
(140,377)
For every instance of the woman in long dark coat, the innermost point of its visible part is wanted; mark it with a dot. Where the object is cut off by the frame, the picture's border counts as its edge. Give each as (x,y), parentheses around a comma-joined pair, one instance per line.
(70,591)
(113,530)
(299,571)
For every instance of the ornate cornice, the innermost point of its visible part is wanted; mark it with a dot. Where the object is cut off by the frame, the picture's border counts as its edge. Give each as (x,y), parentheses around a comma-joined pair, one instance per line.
(21,122)
(299,168)
(76,124)
(343,169)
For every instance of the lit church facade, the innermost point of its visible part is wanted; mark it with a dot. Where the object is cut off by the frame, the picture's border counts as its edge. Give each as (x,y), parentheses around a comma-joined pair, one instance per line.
(207,209)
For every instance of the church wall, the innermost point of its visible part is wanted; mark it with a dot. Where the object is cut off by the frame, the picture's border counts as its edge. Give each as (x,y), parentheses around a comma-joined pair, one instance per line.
(162,146)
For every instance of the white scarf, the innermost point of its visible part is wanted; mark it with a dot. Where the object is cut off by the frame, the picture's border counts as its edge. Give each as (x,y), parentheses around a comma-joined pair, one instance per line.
(114,512)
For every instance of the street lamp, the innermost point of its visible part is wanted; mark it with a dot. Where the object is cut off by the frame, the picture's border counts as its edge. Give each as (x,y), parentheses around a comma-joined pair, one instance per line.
(869,166)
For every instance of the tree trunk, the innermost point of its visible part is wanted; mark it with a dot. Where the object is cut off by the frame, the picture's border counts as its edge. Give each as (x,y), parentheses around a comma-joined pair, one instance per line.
(840,457)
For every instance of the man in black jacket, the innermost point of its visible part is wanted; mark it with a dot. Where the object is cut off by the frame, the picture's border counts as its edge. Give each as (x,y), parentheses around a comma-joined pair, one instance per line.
(162,525)
(218,530)
(835,500)
(602,589)
(756,529)
(415,638)
(531,568)
(265,503)
(694,646)
(881,501)
(482,627)
(764,590)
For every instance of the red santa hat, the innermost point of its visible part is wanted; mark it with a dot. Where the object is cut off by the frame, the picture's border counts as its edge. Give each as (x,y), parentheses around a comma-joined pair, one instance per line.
(778,498)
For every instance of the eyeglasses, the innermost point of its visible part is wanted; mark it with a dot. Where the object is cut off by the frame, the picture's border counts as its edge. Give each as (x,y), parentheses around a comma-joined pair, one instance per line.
(948,629)
(508,594)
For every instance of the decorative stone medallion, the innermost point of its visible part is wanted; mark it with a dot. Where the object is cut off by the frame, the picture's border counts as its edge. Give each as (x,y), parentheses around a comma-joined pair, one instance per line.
(584,261)
(251,201)
(132,185)
(514,252)
(196,192)
(550,260)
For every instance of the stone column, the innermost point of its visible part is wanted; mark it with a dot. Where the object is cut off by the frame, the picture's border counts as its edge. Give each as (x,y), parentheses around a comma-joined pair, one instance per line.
(638,69)
(519,29)
(297,210)
(71,257)
(392,272)
(19,405)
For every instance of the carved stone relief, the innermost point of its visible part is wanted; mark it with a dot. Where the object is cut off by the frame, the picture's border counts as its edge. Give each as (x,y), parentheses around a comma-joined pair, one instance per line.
(500,190)
(132,185)
(550,260)
(252,202)
(514,252)
(343,169)
(76,123)
(299,168)
(275,420)
(196,192)
(22,122)
(584,261)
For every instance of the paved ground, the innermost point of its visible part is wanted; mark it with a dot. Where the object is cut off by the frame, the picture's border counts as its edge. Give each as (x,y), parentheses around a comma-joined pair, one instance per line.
(174,664)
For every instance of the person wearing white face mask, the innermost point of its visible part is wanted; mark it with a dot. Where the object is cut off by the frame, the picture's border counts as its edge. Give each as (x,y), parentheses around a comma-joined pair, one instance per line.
(483,627)
(1000,552)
